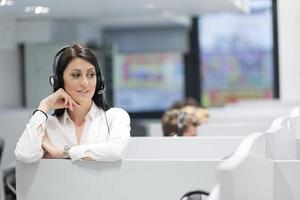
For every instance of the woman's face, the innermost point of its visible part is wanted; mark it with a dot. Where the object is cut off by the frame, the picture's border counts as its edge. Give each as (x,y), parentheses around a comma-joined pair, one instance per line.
(80,80)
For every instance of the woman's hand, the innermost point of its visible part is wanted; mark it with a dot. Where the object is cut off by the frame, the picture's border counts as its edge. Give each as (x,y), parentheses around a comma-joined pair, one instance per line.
(51,151)
(57,100)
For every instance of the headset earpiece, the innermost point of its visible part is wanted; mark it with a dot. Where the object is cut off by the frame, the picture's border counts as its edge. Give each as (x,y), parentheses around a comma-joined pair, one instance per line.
(101,86)
(53,80)
(102,89)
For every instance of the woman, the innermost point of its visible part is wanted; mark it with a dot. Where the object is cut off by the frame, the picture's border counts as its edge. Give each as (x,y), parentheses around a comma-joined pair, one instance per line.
(82,126)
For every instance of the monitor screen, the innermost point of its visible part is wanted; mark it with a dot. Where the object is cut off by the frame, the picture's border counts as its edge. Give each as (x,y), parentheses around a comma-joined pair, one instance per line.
(149,82)
(236,54)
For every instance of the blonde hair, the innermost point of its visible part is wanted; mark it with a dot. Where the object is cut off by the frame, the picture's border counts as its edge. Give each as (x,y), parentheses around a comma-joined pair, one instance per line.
(177,122)
(200,113)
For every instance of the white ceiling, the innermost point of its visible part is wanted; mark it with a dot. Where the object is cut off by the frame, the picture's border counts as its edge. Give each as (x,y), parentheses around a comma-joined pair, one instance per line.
(114,12)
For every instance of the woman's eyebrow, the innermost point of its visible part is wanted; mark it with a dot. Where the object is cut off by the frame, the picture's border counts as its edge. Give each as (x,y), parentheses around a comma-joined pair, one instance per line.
(76,70)
(91,69)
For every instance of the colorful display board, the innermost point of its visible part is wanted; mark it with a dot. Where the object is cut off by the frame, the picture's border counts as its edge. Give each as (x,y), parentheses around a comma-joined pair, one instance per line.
(148,82)
(237,55)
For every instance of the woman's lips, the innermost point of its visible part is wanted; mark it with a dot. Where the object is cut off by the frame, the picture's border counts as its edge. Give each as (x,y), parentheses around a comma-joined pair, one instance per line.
(83,92)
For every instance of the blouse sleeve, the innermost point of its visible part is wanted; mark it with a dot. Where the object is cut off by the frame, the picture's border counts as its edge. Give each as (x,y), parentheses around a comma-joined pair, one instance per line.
(118,138)
(29,147)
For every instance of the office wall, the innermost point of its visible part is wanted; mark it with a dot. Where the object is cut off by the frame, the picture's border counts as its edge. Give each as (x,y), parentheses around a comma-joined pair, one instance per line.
(10,79)
(14,32)
(10,88)
(289,49)
(148,39)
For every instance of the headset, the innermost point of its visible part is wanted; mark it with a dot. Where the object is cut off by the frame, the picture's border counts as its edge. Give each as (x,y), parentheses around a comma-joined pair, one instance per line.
(180,124)
(54,80)
(100,87)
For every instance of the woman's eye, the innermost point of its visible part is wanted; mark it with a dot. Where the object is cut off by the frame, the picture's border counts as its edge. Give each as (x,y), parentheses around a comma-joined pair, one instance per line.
(91,75)
(75,75)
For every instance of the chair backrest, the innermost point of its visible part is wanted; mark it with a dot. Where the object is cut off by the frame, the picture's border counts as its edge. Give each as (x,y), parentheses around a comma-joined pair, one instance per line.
(194,195)
(1,148)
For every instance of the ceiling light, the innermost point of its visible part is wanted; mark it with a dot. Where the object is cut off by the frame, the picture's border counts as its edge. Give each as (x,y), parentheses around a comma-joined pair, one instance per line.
(37,10)
(6,2)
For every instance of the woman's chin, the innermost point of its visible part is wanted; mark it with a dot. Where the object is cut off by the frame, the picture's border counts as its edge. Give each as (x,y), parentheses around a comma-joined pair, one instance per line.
(83,100)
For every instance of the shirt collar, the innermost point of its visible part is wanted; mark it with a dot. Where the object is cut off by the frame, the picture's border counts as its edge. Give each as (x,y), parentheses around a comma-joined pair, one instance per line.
(91,114)
(93,111)
(65,116)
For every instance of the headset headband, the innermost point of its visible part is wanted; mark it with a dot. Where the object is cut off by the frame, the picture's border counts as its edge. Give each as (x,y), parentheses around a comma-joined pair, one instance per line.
(180,124)
(56,55)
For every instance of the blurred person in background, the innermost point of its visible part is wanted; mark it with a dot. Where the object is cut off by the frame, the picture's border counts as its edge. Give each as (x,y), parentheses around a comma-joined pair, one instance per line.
(176,122)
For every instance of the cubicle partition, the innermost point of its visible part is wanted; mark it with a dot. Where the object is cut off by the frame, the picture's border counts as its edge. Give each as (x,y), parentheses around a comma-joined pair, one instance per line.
(153,169)
(287,167)
(220,128)
(265,166)
(248,174)
(242,129)
(247,114)
(234,121)
(286,179)
(183,148)
(12,124)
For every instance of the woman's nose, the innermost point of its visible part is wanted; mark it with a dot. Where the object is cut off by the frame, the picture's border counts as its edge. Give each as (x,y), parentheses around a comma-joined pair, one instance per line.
(84,81)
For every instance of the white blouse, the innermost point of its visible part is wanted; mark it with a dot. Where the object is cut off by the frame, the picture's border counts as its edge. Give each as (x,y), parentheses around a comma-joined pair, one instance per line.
(98,141)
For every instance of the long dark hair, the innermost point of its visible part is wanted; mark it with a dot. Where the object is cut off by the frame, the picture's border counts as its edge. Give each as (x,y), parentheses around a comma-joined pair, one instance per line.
(66,56)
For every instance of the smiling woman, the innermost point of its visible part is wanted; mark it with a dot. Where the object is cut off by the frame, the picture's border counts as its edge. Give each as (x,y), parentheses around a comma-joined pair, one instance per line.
(82,126)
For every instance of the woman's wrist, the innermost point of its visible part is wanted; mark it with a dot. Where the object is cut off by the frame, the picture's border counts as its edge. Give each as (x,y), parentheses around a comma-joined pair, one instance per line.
(37,110)
(53,151)
(43,107)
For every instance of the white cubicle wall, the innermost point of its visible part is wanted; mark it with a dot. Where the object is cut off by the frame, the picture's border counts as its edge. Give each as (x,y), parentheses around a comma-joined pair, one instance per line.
(220,129)
(286,179)
(183,148)
(266,165)
(248,174)
(166,172)
(236,120)
(12,124)
(247,114)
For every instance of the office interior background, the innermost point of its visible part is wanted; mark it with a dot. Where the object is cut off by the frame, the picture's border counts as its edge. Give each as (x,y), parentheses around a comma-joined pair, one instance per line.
(154,53)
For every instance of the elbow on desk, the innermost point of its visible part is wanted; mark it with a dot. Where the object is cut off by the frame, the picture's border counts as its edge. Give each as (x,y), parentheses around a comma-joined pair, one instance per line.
(117,149)
(27,157)
(115,155)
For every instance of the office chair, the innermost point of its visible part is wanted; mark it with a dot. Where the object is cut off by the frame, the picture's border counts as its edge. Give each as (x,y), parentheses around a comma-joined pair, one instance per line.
(10,183)
(194,195)
(1,148)
(8,175)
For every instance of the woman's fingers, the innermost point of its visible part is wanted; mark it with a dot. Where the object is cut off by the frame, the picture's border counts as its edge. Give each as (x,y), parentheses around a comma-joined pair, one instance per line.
(70,103)
(67,100)
(75,104)
(61,99)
